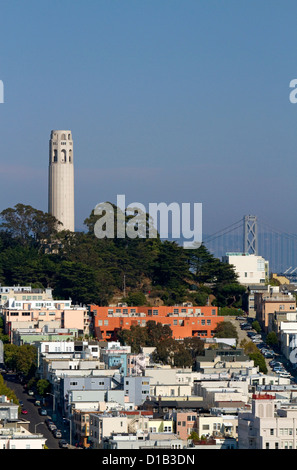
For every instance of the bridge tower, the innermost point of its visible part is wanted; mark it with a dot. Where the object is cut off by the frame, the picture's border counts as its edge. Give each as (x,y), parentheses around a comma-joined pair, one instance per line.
(250,234)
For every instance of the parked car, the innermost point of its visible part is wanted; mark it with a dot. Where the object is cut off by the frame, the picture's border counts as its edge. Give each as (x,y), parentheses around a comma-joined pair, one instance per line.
(31,393)
(279,369)
(57,433)
(52,426)
(48,420)
(21,403)
(275,363)
(42,411)
(269,354)
(24,411)
(63,444)
(251,334)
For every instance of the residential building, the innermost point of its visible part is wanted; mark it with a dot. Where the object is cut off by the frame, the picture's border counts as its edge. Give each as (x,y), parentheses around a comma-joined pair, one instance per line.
(38,314)
(185,423)
(215,360)
(22,336)
(248,298)
(276,319)
(185,321)
(8,409)
(271,302)
(103,426)
(137,389)
(25,293)
(139,441)
(250,268)
(224,425)
(266,426)
(20,438)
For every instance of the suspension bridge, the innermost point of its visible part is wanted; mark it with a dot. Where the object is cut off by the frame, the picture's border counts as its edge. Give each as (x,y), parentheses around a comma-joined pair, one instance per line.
(254,236)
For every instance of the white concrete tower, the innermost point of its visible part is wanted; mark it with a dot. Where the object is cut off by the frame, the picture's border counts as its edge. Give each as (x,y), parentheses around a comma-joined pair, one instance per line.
(61,179)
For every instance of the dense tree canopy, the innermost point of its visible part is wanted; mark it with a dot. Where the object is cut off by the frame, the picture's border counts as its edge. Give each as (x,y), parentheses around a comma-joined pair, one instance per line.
(167,350)
(88,269)
(225,329)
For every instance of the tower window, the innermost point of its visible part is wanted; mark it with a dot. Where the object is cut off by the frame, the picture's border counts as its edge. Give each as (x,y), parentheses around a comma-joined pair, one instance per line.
(63,156)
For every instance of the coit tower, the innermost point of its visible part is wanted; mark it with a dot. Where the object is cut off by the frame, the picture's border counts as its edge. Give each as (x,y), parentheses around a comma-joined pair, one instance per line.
(61,179)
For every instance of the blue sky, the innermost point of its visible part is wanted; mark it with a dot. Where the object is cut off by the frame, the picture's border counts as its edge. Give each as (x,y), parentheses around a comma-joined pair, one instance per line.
(168,101)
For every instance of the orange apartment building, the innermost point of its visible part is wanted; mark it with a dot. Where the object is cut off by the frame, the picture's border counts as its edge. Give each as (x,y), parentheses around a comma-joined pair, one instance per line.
(184,321)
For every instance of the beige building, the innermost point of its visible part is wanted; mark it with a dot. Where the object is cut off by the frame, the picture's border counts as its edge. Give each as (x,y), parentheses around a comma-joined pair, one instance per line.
(102,426)
(61,179)
(23,293)
(222,425)
(269,303)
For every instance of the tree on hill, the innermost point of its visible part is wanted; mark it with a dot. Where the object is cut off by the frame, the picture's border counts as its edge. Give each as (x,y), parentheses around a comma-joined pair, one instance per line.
(27,225)
(225,329)
(91,270)
(135,298)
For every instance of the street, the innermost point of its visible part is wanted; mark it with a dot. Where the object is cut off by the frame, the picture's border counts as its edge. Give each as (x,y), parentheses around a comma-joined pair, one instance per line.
(37,422)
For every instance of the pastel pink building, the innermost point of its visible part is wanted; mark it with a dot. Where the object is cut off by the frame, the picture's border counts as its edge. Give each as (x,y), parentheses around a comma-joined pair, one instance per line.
(37,314)
(186,422)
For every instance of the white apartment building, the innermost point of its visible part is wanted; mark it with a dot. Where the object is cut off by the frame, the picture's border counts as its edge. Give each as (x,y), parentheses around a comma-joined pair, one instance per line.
(103,426)
(20,438)
(288,340)
(267,427)
(251,269)
(216,425)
